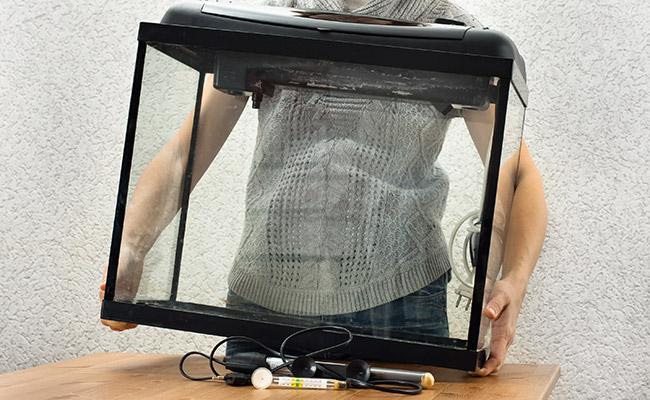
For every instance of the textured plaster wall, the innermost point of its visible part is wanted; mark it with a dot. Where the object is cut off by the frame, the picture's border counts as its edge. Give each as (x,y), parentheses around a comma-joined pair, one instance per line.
(65,72)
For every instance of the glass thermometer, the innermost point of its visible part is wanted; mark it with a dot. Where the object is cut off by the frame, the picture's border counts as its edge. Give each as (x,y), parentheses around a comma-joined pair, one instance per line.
(262,378)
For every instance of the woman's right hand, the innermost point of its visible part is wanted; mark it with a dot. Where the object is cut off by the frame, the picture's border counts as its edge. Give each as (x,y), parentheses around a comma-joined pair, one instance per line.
(154,202)
(114,325)
(126,288)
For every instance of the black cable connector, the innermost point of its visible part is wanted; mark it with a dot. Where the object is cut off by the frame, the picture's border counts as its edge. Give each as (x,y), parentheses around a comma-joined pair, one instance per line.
(237,379)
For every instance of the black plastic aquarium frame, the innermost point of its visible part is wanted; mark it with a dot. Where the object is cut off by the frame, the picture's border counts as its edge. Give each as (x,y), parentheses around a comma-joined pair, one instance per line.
(482,53)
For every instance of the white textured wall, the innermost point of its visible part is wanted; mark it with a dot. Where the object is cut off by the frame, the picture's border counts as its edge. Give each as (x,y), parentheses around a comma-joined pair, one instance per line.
(65,71)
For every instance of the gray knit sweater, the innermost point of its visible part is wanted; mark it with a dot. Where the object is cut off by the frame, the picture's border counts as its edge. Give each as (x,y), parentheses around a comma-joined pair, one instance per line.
(345,198)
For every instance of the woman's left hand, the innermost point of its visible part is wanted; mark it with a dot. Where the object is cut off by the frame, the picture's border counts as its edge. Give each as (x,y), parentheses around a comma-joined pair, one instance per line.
(503,309)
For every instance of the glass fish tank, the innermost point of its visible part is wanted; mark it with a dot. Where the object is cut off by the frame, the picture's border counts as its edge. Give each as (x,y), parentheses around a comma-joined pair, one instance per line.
(289,168)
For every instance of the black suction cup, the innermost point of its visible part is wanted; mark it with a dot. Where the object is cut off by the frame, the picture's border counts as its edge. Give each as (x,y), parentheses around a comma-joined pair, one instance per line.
(358,369)
(303,367)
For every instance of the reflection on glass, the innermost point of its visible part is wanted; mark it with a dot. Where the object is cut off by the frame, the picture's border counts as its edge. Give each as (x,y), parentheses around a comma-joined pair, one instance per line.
(339,203)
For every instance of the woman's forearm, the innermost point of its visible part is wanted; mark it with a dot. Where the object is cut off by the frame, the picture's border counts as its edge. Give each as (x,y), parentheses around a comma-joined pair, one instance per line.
(157,195)
(527,225)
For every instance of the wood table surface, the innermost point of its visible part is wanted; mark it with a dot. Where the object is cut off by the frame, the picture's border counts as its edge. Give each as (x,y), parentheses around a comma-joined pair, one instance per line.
(156,376)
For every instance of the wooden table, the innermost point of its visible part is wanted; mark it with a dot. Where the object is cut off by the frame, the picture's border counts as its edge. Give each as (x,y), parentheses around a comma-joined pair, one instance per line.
(154,376)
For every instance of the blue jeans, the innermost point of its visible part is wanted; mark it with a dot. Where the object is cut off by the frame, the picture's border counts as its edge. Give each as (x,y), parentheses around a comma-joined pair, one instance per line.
(422,312)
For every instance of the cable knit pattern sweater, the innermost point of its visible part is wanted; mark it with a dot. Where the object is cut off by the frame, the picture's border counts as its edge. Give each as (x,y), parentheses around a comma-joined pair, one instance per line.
(345,197)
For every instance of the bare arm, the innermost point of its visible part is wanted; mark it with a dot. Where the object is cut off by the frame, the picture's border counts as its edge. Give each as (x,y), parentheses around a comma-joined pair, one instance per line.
(525,236)
(523,228)
(157,195)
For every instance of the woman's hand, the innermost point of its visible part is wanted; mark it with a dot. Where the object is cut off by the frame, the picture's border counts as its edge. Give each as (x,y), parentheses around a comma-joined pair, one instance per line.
(503,309)
(126,287)
(114,325)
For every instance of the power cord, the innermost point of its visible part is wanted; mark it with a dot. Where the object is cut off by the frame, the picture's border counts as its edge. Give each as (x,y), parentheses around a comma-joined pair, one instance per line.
(213,360)
(303,366)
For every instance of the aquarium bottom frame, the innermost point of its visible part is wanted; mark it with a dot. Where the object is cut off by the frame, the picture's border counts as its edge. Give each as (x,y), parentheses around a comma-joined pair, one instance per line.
(366,347)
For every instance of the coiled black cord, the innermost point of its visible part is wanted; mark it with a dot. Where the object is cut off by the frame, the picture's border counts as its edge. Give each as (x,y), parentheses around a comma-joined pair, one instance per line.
(213,360)
(391,386)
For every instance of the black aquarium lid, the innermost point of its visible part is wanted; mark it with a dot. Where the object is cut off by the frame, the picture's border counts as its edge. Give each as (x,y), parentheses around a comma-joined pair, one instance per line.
(444,35)
(330,21)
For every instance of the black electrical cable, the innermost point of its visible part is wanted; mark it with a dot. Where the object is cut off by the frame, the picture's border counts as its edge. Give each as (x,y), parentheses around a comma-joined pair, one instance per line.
(317,352)
(240,338)
(403,387)
(391,386)
(192,378)
(212,359)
